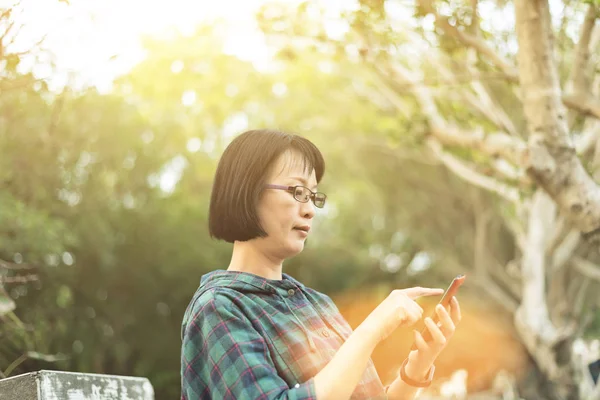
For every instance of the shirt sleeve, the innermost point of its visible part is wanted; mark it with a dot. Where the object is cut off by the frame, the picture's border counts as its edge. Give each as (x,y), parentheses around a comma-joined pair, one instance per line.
(224,357)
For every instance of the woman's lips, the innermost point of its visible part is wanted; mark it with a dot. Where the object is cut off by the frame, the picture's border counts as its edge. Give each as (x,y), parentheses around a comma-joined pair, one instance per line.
(301,232)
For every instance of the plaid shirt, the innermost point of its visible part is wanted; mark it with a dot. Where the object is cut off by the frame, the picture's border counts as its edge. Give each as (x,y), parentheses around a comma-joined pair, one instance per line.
(247,337)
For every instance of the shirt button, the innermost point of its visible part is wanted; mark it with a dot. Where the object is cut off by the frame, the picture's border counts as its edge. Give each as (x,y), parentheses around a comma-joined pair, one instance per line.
(297,385)
(291,292)
(325,333)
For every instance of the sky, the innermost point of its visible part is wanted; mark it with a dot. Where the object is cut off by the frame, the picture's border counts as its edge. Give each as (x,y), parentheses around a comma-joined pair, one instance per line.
(92,41)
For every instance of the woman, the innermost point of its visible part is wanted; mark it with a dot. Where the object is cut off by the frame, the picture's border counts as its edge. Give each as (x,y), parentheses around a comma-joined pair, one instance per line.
(253,332)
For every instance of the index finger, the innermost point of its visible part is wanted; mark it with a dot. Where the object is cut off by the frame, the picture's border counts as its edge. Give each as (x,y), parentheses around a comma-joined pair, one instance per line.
(415,292)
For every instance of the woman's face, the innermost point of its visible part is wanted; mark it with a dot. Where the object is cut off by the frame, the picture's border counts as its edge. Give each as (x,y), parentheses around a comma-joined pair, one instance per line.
(280,213)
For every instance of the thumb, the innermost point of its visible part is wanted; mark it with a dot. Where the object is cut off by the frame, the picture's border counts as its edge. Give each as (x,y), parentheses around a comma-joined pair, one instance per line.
(416,292)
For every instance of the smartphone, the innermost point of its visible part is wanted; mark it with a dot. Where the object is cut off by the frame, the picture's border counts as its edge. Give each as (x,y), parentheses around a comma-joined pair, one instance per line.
(445,302)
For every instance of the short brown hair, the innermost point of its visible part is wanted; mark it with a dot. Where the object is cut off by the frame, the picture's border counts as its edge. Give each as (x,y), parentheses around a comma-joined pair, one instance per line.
(241,173)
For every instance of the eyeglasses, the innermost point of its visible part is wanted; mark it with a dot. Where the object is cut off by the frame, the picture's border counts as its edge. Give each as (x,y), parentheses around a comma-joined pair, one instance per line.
(302,194)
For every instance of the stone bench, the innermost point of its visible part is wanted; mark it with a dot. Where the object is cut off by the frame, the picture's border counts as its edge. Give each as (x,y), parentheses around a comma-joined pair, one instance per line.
(57,385)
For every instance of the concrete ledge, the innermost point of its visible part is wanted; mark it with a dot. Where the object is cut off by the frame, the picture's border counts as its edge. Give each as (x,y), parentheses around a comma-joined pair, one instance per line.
(58,385)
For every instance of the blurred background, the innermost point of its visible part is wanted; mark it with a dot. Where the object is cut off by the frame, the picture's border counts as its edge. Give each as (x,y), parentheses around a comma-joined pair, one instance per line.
(113,115)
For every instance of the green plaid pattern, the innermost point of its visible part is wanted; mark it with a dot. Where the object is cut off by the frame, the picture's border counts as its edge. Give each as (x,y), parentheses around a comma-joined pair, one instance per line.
(246,337)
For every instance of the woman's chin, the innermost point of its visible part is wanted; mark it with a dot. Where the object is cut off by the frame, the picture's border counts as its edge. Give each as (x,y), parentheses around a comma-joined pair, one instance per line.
(296,247)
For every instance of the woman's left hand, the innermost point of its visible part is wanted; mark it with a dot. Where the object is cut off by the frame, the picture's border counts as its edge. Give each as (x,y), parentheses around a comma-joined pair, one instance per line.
(422,358)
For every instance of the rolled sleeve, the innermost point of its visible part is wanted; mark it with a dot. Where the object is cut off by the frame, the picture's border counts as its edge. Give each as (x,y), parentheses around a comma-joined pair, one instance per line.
(224,357)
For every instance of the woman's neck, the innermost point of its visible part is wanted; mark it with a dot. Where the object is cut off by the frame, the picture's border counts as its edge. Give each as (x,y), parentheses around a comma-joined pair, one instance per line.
(248,257)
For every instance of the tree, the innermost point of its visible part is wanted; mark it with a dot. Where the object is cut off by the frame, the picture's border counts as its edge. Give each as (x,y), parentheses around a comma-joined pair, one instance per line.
(27,229)
(515,115)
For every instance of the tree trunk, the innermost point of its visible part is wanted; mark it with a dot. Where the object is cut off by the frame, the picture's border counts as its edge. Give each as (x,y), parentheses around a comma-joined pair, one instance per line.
(552,159)
(553,163)
(550,348)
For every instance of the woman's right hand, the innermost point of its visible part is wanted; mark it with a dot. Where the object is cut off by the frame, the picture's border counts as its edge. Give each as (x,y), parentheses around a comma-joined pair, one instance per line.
(399,308)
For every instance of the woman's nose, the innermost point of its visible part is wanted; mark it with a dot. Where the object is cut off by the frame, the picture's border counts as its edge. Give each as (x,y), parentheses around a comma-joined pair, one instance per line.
(308,209)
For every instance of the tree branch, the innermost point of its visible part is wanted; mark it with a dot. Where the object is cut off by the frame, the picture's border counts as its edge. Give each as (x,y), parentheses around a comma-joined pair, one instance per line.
(579,79)
(584,103)
(470,175)
(510,284)
(588,139)
(565,250)
(388,93)
(509,171)
(13,266)
(497,293)
(18,279)
(472,41)
(566,16)
(496,113)
(480,99)
(579,303)
(474,18)
(493,144)
(498,144)
(586,268)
